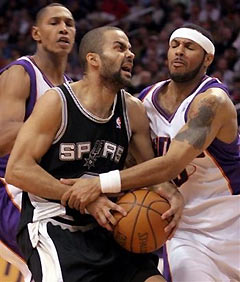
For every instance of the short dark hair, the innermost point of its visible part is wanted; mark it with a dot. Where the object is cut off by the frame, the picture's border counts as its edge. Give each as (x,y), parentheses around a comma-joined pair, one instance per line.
(200,29)
(92,42)
(42,11)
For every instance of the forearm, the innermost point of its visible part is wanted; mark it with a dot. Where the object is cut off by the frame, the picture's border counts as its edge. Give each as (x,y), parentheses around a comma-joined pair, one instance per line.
(35,180)
(8,134)
(152,172)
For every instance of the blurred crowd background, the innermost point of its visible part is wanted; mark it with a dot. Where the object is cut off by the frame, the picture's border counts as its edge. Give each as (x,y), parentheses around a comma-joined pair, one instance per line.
(148,24)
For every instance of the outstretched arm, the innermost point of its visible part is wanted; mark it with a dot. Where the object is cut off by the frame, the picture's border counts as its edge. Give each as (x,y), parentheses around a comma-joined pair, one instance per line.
(141,149)
(211,115)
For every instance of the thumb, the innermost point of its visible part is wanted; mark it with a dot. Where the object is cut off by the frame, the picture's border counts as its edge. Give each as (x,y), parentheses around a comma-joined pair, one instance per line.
(69,181)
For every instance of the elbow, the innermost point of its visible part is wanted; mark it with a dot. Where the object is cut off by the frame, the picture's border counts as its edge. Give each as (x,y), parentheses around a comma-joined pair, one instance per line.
(11,175)
(4,151)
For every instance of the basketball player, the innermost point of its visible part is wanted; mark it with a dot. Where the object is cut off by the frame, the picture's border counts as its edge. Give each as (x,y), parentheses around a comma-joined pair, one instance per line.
(92,122)
(194,129)
(21,83)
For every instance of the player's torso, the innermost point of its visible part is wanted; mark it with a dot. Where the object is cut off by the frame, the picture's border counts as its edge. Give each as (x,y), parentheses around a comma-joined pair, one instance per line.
(86,144)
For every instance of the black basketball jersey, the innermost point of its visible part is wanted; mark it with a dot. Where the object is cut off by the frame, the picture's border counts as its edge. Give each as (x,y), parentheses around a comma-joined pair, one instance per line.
(84,145)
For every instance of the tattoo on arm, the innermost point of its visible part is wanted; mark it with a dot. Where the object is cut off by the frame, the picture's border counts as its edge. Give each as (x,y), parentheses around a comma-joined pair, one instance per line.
(199,124)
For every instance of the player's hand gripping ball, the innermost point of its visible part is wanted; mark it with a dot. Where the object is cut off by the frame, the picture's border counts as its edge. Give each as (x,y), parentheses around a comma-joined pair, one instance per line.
(142,230)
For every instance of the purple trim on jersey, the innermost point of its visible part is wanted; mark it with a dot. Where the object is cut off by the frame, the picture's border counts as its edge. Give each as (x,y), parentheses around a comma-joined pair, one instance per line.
(214,83)
(9,218)
(155,96)
(30,70)
(43,75)
(227,157)
(66,78)
(166,270)
(144,92)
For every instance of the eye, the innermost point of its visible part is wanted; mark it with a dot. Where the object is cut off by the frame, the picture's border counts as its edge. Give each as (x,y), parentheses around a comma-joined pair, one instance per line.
(190,47)
(70,23)
(174,44)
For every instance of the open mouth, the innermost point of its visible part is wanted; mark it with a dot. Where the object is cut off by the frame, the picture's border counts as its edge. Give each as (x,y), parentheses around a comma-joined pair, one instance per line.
(64,41)
(127,69)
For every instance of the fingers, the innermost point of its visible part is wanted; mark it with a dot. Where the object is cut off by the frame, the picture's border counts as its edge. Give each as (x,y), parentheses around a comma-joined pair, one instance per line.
(119,209)
(69,181)
(65,197)
(174,219)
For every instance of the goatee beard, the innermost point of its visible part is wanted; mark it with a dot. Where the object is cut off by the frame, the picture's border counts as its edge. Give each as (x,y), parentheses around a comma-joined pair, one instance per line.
(187,76)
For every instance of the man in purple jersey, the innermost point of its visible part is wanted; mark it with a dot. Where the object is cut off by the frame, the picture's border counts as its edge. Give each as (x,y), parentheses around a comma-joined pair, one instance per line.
(195,133)
(21,83)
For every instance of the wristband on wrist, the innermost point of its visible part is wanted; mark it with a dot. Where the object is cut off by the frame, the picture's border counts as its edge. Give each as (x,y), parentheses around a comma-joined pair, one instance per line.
(110,182)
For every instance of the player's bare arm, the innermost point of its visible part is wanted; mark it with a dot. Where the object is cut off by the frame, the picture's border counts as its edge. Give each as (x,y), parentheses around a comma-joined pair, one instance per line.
(209,117)
(15,87)
(142,151)
(213,115)
(34,139)
(140,148)
(140,145)
(181,151)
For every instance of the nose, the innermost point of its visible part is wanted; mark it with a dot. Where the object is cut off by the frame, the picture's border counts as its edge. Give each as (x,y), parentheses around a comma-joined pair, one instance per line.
(63,27)
(130,54)
(179,50)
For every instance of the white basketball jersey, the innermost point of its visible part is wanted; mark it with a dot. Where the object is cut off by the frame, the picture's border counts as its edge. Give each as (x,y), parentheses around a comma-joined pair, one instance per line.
(210,184)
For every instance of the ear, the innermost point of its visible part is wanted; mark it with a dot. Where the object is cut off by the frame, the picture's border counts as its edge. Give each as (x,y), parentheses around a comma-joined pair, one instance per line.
(36,34)
(93,59)
(208,59)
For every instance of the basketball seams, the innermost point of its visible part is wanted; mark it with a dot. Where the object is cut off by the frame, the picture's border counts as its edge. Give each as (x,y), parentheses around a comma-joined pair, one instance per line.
(144,208)
(151,227)
(136,218)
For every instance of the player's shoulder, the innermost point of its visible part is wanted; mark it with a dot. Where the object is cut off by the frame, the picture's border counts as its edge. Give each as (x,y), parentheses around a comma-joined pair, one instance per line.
(212,96)
(15,71)
(213,103)
(50,96)
(132,101)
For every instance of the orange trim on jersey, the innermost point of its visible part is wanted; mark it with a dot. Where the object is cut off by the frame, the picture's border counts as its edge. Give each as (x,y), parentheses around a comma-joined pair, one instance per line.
(16,254)
(221,170)
(10,194)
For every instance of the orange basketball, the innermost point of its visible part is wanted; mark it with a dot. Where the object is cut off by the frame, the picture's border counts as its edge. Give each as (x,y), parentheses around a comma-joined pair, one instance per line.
(142,230)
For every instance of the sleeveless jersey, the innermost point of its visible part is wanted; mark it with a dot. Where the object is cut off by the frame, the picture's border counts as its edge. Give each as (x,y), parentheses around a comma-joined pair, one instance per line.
(38,85)
(210,184)
(11,196)
(85,145)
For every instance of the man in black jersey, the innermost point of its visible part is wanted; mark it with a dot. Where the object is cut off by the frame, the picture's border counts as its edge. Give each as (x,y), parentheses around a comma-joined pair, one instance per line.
(80,130)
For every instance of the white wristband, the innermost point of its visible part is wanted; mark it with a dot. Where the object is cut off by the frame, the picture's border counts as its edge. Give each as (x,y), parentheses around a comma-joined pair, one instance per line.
(110,182)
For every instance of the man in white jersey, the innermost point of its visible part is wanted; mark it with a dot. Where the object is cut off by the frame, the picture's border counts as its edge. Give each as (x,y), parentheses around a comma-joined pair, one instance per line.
(194,129)
(22,82)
